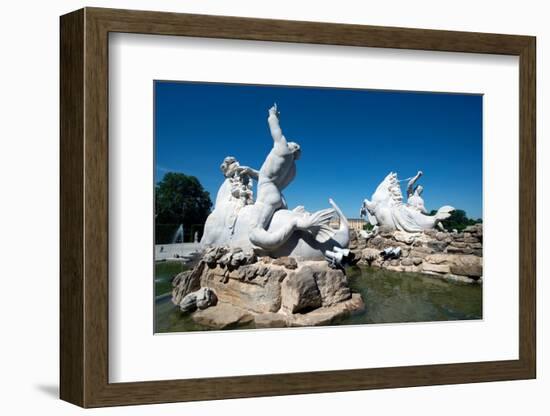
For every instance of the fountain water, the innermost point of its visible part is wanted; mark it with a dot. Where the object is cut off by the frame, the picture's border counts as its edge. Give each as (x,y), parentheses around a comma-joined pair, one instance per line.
(178,235)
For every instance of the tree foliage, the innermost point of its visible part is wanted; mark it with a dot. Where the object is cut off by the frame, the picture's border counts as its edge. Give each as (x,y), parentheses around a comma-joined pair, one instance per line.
(181,199)
(368,226)
(458,220)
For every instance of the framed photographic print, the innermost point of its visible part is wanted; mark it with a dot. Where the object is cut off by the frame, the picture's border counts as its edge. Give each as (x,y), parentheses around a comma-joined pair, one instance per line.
(257,207)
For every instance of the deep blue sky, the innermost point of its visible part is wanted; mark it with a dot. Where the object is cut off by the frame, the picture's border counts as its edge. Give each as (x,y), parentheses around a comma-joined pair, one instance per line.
(350,139)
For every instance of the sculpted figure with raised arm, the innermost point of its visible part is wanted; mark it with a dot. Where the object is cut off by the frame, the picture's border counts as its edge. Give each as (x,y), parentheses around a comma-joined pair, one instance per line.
(387,210)
(266,224)
(414,194)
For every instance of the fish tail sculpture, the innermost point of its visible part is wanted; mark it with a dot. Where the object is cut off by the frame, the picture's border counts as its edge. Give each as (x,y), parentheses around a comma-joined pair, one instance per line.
(316,224)
(320,225)
(443,213)
(339,251)
(342,234)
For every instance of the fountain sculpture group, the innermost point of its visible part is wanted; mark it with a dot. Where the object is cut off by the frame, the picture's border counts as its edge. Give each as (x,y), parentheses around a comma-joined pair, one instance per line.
(265,264)
(265,224)
(386,208)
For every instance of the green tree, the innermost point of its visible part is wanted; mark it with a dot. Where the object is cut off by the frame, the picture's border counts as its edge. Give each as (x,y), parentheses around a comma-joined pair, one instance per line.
(458,220)
(181,199)
(368,226)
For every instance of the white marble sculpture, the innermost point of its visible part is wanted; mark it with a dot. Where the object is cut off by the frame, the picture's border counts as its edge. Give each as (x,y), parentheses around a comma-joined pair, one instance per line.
(386,208)
(414,194)
(234,194)
(266,224)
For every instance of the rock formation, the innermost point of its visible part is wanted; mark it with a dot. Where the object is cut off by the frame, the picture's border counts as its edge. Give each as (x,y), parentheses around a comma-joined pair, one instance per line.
(262,292)
(450,255)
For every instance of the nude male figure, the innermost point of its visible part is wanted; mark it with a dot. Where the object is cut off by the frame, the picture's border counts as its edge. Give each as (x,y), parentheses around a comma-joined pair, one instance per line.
(414,198)
(277,171)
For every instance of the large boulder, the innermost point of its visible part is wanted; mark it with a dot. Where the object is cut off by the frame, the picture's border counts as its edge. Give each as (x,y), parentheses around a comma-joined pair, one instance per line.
(186,282)
(257,288)
(200,299)
(299,292)
(223,316)
(439,258)
(271,320)
(407,262)
(458,264)
(369,255)
(333,286)
(331,314)
(468,265)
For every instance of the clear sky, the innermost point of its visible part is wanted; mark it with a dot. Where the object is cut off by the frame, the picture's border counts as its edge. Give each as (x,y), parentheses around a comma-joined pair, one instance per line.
(350,139)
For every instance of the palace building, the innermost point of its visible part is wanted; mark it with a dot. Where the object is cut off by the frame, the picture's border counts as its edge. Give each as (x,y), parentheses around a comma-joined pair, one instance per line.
(356,224)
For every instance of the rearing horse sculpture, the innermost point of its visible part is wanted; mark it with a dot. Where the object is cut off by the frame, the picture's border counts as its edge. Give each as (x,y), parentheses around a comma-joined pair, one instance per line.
(386,209)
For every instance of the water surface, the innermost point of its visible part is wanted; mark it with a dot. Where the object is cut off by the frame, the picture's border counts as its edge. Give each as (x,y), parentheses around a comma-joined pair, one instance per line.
(412,297)
(164,272)
(390,297)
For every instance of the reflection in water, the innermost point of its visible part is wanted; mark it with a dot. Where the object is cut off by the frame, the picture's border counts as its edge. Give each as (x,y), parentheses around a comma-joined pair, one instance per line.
(412,297)
(390,297)
(164,272)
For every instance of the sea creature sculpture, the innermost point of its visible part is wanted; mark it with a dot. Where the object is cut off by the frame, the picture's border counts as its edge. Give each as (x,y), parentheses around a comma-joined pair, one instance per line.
(265,224)
(387,210)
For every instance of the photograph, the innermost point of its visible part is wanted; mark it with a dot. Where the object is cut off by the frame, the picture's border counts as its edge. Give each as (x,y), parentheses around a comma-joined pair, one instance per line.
(270,203)
(266,209)
(281,206)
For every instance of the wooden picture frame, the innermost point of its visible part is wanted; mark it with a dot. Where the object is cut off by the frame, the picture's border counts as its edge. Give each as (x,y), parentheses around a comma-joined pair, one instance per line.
(84,207)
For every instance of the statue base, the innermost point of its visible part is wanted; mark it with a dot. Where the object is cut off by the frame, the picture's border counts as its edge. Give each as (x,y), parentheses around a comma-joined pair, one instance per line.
(264,292)
(449,255)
